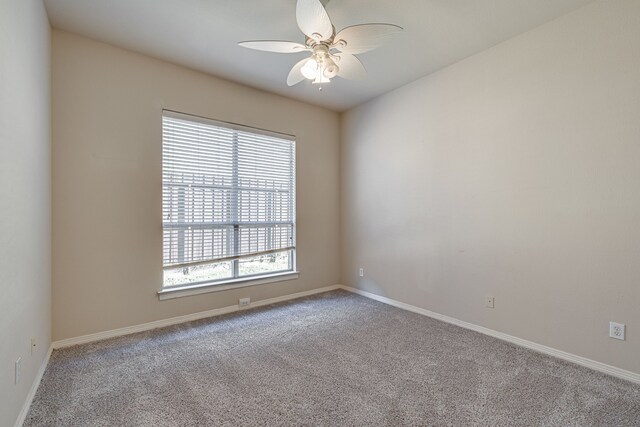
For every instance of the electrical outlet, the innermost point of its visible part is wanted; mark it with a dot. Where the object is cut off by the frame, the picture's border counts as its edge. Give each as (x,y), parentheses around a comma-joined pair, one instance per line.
(616,330)
(361,272)
(18,371)
(33,346)
(490,302)
(244,302)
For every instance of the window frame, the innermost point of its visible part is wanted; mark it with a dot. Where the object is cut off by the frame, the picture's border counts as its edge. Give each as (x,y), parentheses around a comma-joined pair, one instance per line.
(236,280)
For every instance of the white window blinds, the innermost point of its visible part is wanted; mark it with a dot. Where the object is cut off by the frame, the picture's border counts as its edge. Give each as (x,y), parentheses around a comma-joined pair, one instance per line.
(228,191)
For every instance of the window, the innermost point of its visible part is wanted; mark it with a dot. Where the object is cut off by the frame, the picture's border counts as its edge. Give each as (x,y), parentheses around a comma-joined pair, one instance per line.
(228,202)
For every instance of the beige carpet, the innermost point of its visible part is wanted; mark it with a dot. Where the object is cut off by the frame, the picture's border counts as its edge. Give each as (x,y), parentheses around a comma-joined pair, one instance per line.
(332,359)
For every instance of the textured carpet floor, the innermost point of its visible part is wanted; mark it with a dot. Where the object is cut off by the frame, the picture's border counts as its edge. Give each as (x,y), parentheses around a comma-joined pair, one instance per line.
(331,359)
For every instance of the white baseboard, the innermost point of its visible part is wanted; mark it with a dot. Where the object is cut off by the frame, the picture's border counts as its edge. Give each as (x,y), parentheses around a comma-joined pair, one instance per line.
(182,319)
(579,360)
(582,361)
(32,391)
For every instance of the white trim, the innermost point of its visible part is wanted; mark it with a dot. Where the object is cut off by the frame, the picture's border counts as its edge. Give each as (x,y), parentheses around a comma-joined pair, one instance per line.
(204,288)
(182,319)
(582,361)
(32,391)
(579,360)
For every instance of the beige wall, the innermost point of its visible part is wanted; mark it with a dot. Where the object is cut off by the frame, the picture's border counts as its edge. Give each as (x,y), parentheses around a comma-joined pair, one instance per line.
(25,195)
(107,240)
(514,173)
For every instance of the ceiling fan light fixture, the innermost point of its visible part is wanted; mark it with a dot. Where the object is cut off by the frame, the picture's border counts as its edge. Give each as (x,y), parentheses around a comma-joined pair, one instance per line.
(310,69)
(330,68)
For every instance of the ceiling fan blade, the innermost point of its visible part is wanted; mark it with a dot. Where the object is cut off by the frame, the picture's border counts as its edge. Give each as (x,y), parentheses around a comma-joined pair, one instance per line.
(350,67)
(274,46)
(295,75)
(313,20)
(365,37)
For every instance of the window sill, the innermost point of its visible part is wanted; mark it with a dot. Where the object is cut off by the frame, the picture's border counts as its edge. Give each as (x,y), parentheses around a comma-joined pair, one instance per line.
(203,288)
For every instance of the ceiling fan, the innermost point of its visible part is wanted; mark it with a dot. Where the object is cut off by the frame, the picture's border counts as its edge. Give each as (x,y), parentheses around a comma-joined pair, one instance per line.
(331,54)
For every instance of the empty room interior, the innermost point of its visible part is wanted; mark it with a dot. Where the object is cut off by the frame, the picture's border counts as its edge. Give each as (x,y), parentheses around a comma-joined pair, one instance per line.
(320,212)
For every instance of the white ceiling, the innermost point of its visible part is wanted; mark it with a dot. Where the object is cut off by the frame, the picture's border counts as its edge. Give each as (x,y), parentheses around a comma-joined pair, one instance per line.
(203,35)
